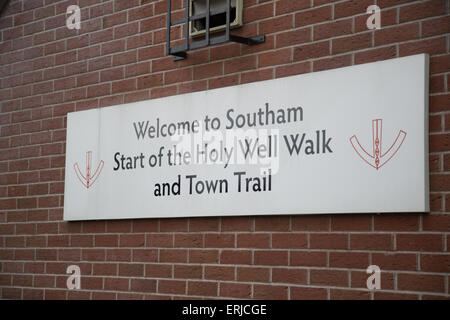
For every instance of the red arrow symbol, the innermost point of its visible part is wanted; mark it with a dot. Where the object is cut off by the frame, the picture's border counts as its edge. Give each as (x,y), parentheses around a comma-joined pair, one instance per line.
(377,159)
(90,178)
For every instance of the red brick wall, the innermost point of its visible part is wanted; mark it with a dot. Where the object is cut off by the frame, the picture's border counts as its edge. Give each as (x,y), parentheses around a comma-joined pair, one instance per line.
(118,56)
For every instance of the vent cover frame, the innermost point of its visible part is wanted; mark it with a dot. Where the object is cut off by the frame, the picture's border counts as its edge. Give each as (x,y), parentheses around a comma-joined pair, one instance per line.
(180,52)
(235,23)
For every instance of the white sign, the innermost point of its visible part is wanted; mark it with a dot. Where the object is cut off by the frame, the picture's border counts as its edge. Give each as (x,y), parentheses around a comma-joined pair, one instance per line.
(350,140)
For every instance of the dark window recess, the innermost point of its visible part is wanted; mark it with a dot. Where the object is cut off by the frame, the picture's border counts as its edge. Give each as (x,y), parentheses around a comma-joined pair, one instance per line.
(209,19)
(215,21)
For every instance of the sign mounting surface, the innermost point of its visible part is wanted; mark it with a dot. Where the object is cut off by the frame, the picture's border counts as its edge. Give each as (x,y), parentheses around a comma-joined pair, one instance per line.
(349,140)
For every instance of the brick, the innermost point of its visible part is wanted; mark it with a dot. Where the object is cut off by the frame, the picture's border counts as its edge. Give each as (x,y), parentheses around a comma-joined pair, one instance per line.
(419,242)
(352,43)
(236,224)
(253,274)
(276,24)
(189,240)
(351,7)
(123,86)
(440,102)
(11,293)
(305,293)
(188,271)
(421,282)
(235,257)
(93,254)
(150,52)
(434,163)
(178,76)
(33,294)
(396,222)
(202,288)
(332,63)
(430,46)
(435,263)
(354,260)
(371,241)
(173,225)
(116,284)
(395,261)
(105,269)
(289,240)
(273,223)
(439,142)
(145,255)
(153,23)
(219,240)
(172,286)
(240,64)
(435,123)
(286,6)
(118,226)
(159,240)
(106,240)
(285,275)
(422,10)
(289,38)
(173,255)
(310,223)
(158,270)
(228,50)
(26,203)
(164,92)
(332,278)
(397,34)
(143,285)
(195,86)
(131,240)
(313,50)
(277,57)
(328,241)
(258,75)
(259,12)
(336,294)
(435,26)
(270,292)
(13,242)
(394,296)
(44,281)
(140,12)
(332,29)
(203,256)
(270,257)
(24,254)
(58,241)
(219,273)
(235,290)
(46,254)
(437,84)
(253,240)
(149,81)
(436,222)
(137,69)
(131,270)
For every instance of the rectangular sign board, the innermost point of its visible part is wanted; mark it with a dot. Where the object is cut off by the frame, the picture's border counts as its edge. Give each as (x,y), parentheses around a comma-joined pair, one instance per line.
(349,140)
